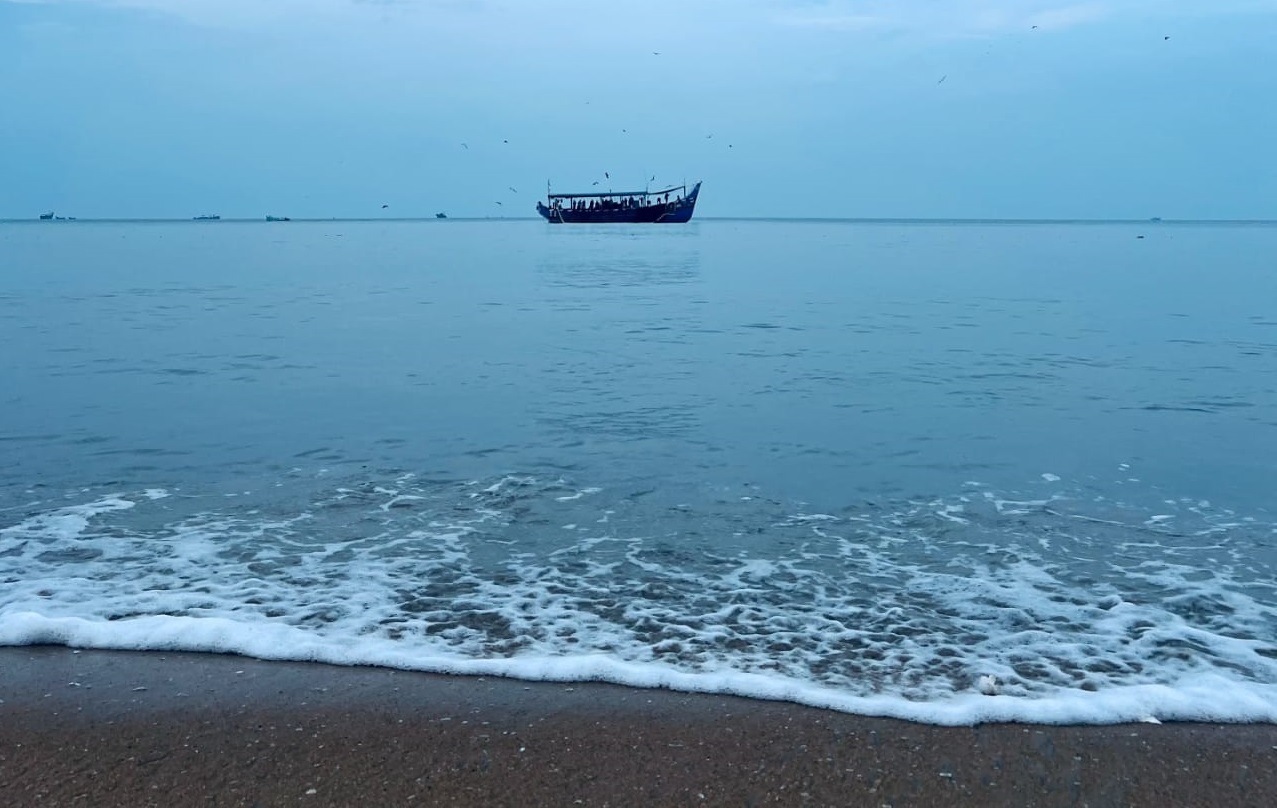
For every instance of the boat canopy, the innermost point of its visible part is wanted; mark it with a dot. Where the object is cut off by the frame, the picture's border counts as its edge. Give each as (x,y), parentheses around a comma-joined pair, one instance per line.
(619,193)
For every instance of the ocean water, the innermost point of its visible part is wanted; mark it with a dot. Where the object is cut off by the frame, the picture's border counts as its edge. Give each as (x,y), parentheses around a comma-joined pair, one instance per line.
(949,472)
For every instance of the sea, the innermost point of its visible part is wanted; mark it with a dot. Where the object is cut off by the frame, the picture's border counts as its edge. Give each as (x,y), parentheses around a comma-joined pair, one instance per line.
(950,472)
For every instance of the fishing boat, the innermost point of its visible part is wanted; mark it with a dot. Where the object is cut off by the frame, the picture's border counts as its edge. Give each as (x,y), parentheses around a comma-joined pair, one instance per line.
(211,217)
(46,217)
(278,219)
(441,215)
(669,206)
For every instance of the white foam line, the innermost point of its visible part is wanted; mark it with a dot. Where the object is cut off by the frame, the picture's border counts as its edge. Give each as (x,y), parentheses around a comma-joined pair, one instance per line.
(1141,628)
(1201,697)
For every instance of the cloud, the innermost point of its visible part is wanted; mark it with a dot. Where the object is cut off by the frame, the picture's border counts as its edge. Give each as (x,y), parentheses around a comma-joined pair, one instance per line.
(964,18)
(566,14)
(225,13)
(1068,16)
(951,17)
(834,21)
(957,18)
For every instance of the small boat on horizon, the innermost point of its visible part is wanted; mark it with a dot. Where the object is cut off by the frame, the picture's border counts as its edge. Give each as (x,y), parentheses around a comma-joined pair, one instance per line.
(209,217)
(441,215)
(45,217)
(278,219)
(670,206)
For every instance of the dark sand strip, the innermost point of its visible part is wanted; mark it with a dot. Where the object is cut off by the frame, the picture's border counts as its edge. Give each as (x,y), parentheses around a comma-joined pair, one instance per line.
(106,728)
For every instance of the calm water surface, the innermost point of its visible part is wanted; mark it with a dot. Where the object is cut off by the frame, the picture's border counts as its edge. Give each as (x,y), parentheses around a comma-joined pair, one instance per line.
(863,466)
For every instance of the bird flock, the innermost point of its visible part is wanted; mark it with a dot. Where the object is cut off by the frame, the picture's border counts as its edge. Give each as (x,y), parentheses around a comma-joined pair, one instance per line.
(465,146)
(499,203)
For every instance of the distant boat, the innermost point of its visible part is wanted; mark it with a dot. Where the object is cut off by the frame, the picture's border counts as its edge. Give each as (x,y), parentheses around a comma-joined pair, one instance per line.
(208,218)
(278,219)
(1156,219)
(45,217)
(441,215)
(670,206)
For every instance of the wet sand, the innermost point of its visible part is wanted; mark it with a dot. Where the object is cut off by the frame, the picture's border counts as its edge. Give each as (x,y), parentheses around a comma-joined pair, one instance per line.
(98,728)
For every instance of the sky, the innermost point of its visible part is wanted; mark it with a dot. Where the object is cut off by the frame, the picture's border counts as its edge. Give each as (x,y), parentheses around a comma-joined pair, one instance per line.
(1093,109)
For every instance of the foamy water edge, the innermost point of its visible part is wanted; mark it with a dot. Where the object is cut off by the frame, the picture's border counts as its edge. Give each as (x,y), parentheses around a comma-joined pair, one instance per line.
(978,690)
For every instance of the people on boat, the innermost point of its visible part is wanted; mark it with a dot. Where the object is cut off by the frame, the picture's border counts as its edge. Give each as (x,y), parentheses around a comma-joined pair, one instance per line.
(595,204)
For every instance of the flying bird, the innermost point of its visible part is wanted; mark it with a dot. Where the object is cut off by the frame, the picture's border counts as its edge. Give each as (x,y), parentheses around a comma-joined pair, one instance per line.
(500,204)
(656,53)
(607,176)
(942,78)
(464,146)
(505,141)
(512,189)
(653,179)
(383,207)
(596,182)
(1165,38)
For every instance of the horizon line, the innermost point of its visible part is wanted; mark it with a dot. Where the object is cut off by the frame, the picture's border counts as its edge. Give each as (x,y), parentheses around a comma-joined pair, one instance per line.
(831,219)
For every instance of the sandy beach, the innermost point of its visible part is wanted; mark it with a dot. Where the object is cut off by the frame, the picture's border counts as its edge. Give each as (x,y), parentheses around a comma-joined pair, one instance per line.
(117,728)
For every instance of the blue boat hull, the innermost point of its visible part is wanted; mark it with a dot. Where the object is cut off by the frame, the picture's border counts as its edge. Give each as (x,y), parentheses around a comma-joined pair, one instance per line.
(678,211)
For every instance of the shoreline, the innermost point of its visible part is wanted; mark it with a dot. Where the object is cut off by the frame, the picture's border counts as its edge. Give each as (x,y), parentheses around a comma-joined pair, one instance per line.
(154,728)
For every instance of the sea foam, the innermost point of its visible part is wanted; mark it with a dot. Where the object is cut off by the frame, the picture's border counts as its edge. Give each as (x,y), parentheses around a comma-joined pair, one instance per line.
(948,611)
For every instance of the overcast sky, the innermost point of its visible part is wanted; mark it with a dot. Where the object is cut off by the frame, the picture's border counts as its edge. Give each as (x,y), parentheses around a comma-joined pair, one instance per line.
(859,108)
